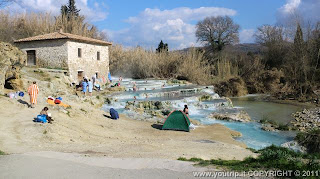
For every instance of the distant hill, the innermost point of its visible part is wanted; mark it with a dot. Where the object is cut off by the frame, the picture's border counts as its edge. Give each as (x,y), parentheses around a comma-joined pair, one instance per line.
(246,47)
(238,48)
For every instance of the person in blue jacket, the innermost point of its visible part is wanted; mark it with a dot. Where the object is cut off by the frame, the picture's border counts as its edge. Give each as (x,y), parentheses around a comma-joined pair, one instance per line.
(84,86)
(114,114)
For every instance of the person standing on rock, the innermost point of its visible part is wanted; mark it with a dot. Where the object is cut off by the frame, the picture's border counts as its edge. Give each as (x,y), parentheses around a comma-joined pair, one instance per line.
(33,91)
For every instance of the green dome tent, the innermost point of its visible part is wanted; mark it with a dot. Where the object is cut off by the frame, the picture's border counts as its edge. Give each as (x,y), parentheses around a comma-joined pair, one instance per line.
(177,120)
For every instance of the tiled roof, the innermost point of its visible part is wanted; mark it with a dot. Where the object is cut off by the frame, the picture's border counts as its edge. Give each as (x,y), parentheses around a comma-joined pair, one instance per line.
(62,35)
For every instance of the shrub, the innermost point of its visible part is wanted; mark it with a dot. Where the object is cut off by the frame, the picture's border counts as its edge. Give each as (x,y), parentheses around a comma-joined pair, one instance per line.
(310,140)
(140,63)
(272,157)
(283,127)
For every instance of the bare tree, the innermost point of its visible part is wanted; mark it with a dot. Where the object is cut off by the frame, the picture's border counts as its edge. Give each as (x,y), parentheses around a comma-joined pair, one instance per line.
(272,37)
(217,32)
(267,35)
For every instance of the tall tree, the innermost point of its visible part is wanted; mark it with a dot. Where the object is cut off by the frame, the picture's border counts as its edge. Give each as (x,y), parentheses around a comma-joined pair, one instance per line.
(217,32)
(297,64)
(72,9)
(298,43)
(272,37)
(162,47)
(64,10)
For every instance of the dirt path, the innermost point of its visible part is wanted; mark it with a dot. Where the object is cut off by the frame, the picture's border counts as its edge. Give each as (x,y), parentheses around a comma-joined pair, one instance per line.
(61,165)
(70,165)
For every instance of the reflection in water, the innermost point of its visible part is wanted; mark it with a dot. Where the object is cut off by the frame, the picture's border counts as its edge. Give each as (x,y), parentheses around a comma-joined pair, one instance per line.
(258,109)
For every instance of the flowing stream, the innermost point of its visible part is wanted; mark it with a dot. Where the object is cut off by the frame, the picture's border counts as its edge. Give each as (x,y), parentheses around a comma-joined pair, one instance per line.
(180,94)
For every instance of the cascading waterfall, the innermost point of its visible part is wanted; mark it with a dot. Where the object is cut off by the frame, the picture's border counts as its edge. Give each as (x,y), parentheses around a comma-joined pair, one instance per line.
(177,95)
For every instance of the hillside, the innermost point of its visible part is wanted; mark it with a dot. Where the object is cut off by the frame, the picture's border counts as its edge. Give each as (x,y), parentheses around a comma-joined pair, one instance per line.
(238,48)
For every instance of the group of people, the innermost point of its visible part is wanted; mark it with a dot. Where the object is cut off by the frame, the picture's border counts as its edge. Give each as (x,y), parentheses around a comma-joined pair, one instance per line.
(33,92)
(87,85)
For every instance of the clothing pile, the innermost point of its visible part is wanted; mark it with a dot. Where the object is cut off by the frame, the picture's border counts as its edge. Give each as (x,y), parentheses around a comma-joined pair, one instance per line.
(15,95)
(56,101)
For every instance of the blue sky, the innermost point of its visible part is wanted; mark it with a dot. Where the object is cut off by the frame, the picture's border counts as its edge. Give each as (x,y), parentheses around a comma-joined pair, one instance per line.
(249,13)
(146,22)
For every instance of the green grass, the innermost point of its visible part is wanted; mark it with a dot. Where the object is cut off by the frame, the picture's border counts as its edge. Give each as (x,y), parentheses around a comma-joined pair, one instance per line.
(68,113)
(252,150)
(2,153)
(282,127)
(310,139)
(270,158)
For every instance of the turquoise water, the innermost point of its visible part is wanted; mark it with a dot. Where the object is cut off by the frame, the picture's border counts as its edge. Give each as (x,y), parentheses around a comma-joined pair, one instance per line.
(252,135)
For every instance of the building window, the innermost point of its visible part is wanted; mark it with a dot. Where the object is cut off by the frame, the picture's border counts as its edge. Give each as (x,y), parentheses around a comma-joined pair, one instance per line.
(79,52)
(98,55)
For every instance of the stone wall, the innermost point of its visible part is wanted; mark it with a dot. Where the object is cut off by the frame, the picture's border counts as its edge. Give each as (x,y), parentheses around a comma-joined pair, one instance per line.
(49,53)
(88,62)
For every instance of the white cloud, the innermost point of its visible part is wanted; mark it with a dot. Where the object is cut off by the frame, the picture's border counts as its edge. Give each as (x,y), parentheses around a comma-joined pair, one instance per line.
(175,27)
(247,36)
(290,6)
(307,10)
(53,7)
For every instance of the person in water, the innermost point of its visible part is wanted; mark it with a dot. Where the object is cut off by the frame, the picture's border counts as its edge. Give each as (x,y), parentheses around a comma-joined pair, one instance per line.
(134,88)
(186,110)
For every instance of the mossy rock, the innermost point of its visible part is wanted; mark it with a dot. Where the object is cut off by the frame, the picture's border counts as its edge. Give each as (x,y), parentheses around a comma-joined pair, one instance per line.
(205,98)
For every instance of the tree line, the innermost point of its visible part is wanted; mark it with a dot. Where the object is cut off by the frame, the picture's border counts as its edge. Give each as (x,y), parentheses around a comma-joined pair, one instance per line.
(17,26)
(288,65)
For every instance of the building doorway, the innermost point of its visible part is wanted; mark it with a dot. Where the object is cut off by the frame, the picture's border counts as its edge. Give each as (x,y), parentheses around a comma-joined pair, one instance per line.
(31,58)
(80,76)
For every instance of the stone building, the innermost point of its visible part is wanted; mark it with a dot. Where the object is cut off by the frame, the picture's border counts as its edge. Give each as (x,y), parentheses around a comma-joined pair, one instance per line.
(81,56)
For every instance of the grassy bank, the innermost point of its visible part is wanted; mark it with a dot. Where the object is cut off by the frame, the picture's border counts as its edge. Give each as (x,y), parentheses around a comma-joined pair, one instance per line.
(2,153)
(270,158)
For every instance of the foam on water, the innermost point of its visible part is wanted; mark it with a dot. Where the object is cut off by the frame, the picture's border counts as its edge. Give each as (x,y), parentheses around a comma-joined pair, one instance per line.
(252,135)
